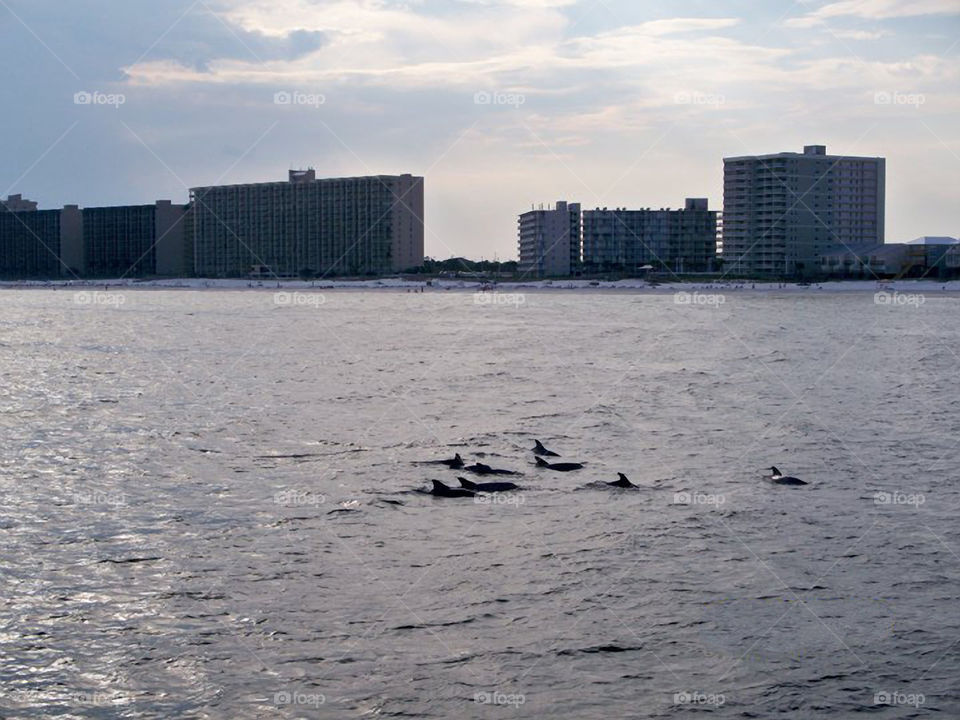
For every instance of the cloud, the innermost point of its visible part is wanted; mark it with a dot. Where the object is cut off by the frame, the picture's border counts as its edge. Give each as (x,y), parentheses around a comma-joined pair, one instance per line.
(860,34)
(875,10)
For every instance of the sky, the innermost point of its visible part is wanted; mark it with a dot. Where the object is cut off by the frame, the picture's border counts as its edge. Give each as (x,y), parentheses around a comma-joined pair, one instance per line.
(500,104)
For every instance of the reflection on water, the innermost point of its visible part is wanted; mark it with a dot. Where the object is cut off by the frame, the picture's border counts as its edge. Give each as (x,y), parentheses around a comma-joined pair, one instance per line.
(208,507)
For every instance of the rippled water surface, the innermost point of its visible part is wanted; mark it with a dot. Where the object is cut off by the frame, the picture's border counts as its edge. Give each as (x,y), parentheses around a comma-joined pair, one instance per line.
(209,507)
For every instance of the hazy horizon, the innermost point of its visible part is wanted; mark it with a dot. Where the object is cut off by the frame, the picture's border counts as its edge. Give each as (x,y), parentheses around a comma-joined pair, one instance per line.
(500,104)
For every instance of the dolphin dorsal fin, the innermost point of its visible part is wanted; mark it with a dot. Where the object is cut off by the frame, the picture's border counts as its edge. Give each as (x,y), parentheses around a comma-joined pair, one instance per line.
(541,462)
(776,472)
(623,477)
(467,484)
(437,485)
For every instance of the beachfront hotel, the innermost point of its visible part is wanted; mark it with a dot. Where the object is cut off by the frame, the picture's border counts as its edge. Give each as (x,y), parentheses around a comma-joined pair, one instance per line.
(343,226)
(782,211)
(340,226)
(549,241)
(134,241)
(677,241)
(38,243)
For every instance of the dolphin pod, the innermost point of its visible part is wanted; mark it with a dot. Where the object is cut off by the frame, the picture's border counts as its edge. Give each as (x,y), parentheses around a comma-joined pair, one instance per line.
(470,489)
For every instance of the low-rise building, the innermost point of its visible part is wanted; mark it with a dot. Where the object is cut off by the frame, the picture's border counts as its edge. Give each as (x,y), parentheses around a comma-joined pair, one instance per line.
(866,261)
(922,258)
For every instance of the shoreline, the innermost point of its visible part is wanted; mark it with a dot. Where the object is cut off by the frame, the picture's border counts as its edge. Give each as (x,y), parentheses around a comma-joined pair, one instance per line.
(633,286)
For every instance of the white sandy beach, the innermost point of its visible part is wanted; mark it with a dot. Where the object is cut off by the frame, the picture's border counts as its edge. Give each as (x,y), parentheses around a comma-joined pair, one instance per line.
(634,285)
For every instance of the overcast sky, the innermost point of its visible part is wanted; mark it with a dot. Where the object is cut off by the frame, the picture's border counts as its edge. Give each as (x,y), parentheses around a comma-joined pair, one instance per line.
(499,103)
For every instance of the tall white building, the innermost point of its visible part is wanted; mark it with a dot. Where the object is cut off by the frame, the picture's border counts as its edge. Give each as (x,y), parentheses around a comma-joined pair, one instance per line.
(781,211)
(550,241)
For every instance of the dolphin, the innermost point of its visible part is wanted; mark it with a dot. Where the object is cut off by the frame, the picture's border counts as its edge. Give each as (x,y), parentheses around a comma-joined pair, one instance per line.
(441,490)
(481,469)
(487,487)
(778,478)
(454,463)
(539,449)
(623,482)
(560,467)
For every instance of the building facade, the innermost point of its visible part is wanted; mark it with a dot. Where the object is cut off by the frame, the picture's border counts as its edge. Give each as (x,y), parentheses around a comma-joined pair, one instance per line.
(39,243)
(133,240)
(632,241)
(341,226)
(781,211)
(29,243)
(550,241)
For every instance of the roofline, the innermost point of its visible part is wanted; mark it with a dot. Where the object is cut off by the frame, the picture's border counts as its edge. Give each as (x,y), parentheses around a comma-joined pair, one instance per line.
(309,182)
(773,156)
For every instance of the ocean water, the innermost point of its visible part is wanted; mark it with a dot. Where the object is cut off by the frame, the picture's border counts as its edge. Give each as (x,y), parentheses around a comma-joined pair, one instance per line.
(209,506)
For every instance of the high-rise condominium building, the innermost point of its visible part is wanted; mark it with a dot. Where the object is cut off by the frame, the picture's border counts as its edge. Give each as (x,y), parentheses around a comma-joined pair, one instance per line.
(781,211)
(39,243)
(678,241)
(340,226)
(134,240)
(549,241)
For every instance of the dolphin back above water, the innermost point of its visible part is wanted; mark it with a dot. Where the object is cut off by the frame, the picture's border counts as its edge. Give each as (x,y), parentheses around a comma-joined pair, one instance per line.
(560,467)
(778,478)
(487,487)
(481,469)
(623,482)
(454,463)
(441,490)
(539,449)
